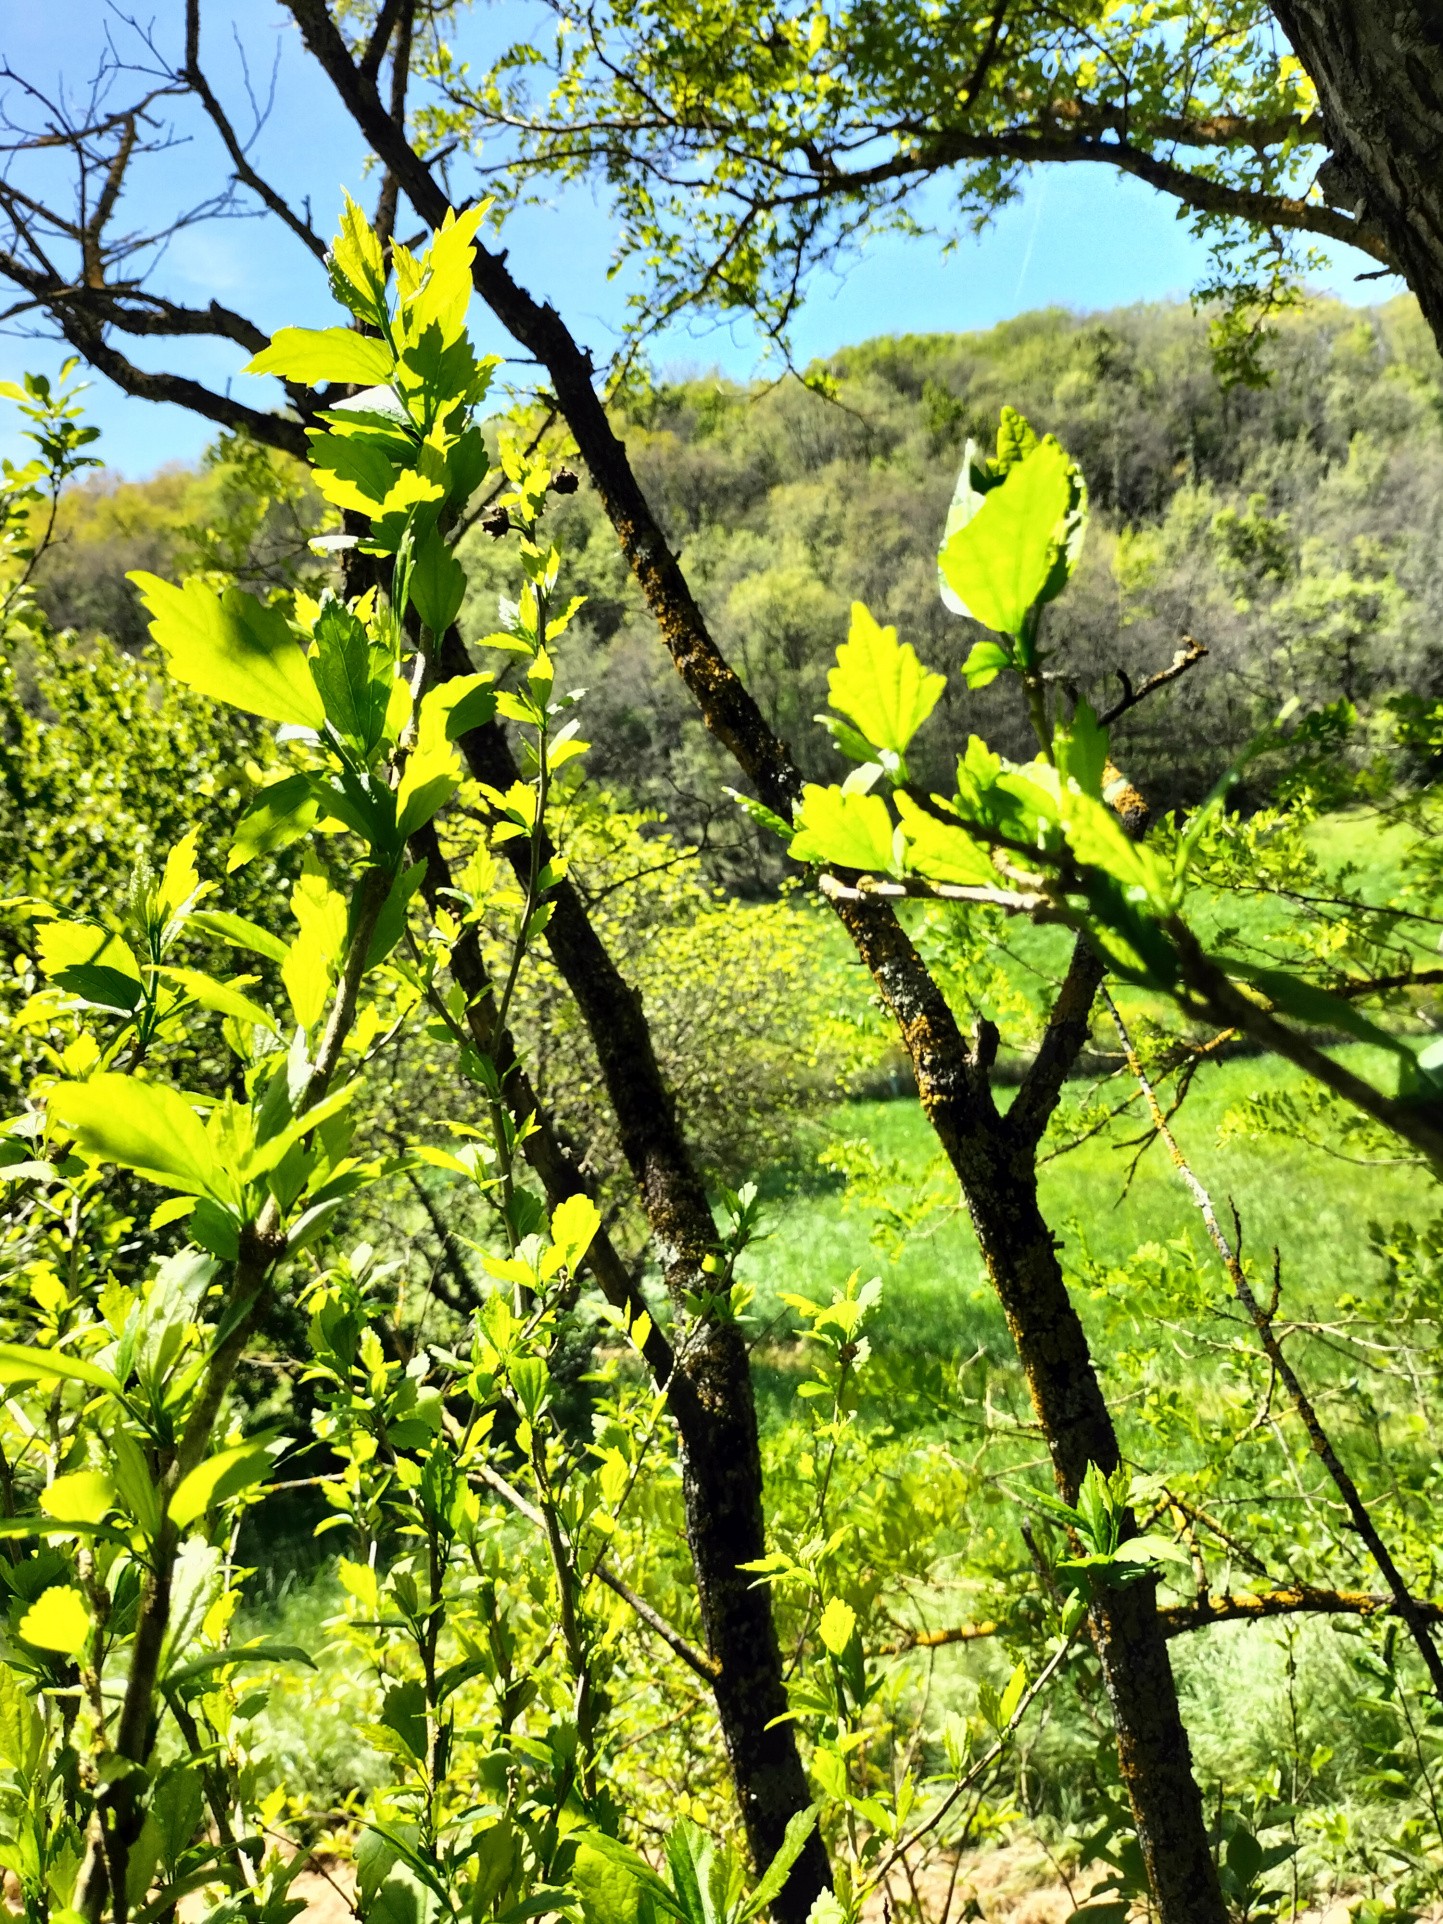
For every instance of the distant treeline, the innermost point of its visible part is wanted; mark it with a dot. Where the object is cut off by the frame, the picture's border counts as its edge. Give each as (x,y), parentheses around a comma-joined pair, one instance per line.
(1293,529)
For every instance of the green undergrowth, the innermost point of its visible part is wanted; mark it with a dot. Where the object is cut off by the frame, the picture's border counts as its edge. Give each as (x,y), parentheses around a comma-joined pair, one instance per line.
(936,1301)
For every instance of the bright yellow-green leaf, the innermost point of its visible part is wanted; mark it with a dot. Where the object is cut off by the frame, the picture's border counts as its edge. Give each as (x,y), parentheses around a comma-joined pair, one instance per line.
(433,769)
(219,1477)
(82,1497)
(20,1363)
(313,959)
(1012,1695)
(838,1622)
(845,830)
(223,997)
(574,1223)
(57,1620)
(359,1580)
(445,290)
(358,265)
(240,933)
(943,852)
(1098,838)
(881,684)
(180,881)
(999,562)
(69,945)
(232,648)
(144,1126)
(315,354)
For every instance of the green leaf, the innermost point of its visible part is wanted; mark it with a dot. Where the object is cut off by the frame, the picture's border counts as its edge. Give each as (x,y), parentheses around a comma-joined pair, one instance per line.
(433,769)
(617,1886)
(259,1651)
(574,1224)
(848,830)
(22,1732)
(1000,561)
(403,1710)
(1097,837)
(1012,1695)
(1314,1006)
(57,1620)
(352,472)
(985,662)
(240,933)
(438,582)
(391,922)
(82,1497)
(23,1363)
(63,946)
(358,266)
(471,704)
(800,1826)
(144,1126)
(216,1480)
(101,988)
(223,998)
(232,648)
(881,684)
(1080,747)
(838,1621)
(943,852)
(311,355)
(763,816)
(353,674)
(279,815)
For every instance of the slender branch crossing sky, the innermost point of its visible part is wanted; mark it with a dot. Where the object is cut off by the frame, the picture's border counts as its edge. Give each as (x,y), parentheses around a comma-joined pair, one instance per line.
(1079,237)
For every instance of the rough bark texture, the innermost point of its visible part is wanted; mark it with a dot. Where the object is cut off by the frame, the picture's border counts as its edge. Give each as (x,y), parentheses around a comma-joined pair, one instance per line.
(1378,69)
(710,1393)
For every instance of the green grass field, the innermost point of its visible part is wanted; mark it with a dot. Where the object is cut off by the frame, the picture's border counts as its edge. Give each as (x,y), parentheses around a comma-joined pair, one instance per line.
(936,1300)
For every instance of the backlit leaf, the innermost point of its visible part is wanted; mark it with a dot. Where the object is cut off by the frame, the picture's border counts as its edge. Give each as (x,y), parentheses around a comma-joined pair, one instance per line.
(837,1623)
(1000,562)
(57,1620)
(218,1478)
(881,684)
(82,1497)
(144,1126)
(847,830)
(278,816)
(315,354)
(233,648)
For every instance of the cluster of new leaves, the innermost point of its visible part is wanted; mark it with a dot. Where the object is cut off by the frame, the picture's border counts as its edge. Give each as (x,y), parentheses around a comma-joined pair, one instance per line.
(1046,838)
(30,493)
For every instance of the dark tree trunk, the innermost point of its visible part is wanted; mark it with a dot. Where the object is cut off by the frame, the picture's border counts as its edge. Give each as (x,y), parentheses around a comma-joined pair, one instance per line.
(709,1384)
(995,1159)
(1378,69)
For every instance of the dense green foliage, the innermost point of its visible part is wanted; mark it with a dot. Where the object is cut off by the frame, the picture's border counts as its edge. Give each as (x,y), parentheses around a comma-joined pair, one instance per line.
(513,1716)
(1290,529)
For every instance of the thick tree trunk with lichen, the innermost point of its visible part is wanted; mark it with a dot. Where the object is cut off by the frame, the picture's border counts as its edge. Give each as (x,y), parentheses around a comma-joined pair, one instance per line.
(709,1379)
(1378,69)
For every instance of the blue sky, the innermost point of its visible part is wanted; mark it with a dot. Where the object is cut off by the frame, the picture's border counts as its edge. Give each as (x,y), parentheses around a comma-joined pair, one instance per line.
(1079,237)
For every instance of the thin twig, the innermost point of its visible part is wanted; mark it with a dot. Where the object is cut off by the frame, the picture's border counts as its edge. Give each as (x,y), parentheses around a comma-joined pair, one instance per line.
(1408,1607)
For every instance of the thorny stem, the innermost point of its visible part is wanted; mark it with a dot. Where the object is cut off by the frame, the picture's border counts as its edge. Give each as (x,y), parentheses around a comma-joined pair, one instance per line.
(1261,1318)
